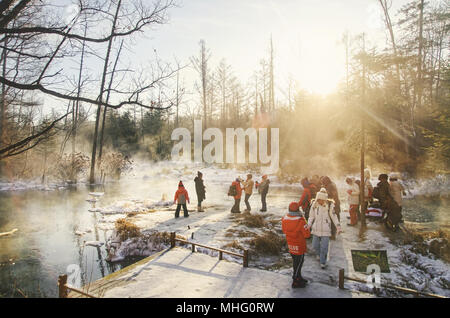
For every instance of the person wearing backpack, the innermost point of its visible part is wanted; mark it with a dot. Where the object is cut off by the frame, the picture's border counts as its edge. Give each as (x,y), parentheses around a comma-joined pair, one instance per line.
(305,200)
(296,230)
(200,190)
(321,217)
(248,190)
(263,189)
(181,196)
(236,192)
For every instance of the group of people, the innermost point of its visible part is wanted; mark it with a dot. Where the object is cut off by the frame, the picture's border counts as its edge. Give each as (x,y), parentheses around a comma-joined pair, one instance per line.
(238,186)
(321,214)
(317,213)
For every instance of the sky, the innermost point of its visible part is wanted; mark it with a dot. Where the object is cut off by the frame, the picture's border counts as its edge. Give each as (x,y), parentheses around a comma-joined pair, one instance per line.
(306,35)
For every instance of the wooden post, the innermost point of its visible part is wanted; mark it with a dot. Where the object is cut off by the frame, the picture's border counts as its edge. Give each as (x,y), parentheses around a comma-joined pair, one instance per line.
(62,281)
(341,278)
(172,239)
(220,255)
(245,262)
(193,247)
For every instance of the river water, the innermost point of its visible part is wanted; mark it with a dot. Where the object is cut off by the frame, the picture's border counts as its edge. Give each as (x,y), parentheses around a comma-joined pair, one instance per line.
(46,243)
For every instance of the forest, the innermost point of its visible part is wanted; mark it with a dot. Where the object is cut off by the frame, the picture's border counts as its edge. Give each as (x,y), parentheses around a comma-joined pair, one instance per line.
(394,98)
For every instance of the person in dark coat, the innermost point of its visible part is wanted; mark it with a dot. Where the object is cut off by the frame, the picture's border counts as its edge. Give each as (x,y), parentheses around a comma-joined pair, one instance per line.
(333,194)
(263,189)
(387,203)
(200,189)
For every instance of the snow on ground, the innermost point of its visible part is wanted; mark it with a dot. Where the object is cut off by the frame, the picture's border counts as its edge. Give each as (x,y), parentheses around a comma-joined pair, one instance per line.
(217,227)
(180,273)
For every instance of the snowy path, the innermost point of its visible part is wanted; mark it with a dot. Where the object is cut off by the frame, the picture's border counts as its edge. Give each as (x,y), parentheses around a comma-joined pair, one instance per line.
(181,273)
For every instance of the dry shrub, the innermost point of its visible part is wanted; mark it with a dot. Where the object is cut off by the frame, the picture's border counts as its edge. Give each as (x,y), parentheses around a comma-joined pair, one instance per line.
(126,229)
(70,166)
(114,164)
(434,242)
(268,243)
(235,244)
(252,220)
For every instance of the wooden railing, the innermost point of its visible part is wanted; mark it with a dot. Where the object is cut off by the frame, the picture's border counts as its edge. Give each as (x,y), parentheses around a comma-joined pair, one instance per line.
(174,239)
(342,278)
(64,289)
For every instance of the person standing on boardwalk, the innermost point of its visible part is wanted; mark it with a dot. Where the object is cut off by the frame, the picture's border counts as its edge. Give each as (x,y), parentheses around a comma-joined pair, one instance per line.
(322,215)
(383,193)
(296,230)
(397,190)
(305,200)
(333,194)
(248,190)
(237,194)
(368,190)
(181,196)
(200,190)
(263,189)
(353,200)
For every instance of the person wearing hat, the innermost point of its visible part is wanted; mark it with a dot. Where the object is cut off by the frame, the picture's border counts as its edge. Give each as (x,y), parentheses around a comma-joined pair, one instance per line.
(296,230)
(263,189)
(200,190)
(248,190)
(321,216)
(353,200)
(237,198)
(181,196)
(332,191)
(387,203)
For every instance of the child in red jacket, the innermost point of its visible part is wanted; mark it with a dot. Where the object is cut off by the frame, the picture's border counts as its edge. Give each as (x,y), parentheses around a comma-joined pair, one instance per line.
(295,228)
(181,196)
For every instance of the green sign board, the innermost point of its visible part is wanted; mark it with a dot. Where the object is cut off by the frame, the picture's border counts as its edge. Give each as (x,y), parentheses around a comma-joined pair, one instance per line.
(363,258)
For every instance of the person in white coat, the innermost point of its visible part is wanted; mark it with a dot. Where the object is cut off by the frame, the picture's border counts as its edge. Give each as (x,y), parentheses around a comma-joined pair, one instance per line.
(353,200)
(321,216)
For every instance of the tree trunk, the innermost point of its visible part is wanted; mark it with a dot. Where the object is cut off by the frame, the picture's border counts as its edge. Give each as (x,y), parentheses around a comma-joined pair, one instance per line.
(102,86)
(107,100)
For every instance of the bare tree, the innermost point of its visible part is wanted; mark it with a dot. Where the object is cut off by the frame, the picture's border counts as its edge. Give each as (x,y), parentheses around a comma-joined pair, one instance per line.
(200,64)
(45,40)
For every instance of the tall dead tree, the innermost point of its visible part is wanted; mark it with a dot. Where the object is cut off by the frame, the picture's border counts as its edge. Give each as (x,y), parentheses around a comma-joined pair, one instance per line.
(108,94)
(200,64)
(100,96)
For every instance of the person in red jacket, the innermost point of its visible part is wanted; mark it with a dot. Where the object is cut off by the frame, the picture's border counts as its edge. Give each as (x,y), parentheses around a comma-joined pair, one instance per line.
(181,196)
(237,198)
(295,228)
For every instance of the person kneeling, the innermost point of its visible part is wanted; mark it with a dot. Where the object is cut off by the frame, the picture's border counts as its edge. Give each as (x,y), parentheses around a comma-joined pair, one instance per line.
(295,228)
